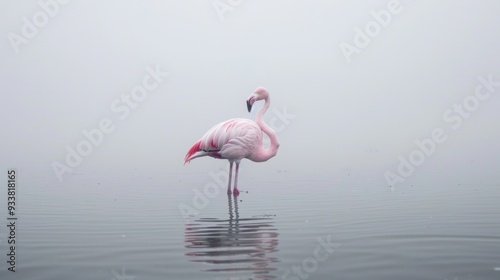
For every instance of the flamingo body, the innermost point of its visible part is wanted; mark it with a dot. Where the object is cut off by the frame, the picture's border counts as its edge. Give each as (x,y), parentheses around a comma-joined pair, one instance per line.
(233,140)
(236,139)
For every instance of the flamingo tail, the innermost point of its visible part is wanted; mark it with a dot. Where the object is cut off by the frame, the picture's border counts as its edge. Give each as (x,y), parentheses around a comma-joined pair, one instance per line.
(196,155)
(196,151)
(191,154)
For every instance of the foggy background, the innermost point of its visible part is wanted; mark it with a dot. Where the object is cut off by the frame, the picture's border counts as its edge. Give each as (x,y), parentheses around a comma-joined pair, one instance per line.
(350,118)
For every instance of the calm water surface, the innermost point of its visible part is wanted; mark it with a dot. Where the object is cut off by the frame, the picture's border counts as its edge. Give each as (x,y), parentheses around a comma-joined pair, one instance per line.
(147,225)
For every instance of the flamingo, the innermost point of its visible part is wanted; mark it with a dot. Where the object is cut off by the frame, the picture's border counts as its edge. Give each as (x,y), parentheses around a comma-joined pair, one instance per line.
(236,139)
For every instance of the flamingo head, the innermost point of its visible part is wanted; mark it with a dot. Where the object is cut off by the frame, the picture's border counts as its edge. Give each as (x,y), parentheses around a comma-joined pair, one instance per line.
(258,94)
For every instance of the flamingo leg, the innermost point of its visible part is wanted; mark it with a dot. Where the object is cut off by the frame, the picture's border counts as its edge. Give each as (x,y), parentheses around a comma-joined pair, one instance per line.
(235,189)
(229,178)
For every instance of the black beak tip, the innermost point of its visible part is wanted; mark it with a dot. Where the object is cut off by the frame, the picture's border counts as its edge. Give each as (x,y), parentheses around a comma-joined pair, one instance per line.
(249,106)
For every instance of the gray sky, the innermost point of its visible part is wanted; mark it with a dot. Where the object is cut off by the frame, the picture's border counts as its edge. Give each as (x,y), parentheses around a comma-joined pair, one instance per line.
(356,112)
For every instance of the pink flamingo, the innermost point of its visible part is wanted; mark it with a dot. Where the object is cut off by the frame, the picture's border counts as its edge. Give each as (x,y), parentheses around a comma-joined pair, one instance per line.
(236,139)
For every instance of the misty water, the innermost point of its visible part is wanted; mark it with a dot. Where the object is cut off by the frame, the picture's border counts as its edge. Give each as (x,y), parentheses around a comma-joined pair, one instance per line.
(155,225)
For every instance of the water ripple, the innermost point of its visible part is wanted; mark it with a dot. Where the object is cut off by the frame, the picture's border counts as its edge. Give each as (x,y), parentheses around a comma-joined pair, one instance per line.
(234,244)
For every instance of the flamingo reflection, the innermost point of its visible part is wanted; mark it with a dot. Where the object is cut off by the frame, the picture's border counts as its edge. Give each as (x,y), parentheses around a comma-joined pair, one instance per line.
(235,244)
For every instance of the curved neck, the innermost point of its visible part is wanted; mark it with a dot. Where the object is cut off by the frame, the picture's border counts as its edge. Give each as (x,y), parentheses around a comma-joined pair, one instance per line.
(264,154)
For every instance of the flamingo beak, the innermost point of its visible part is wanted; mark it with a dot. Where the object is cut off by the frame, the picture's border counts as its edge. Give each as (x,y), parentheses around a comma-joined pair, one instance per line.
(250,102)
(249,106)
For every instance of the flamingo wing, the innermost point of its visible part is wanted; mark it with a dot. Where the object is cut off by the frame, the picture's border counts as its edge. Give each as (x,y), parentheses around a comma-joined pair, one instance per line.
(231,139)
